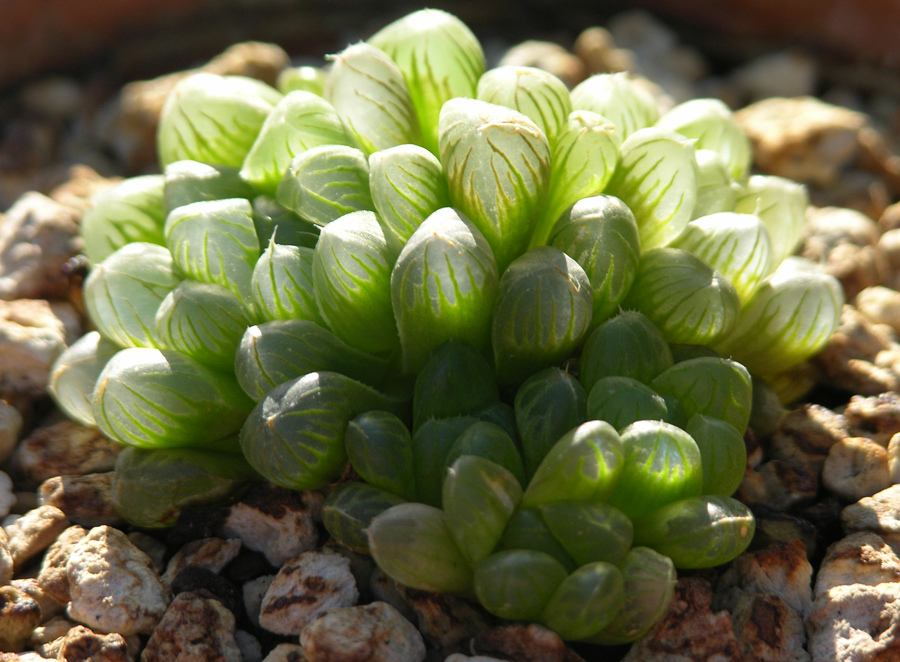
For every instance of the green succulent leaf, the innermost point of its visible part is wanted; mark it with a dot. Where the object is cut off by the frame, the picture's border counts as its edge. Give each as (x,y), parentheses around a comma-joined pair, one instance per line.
(282,284)
(621,401)
(716,191)
(407,185)
(491,442)
(371,97)
(542,312)
(413,544)
(781,204)
(526,529)
(213,119)
(584,465)
(152,487)
(548,405)
(697,532)
(735,245)
(349,510)
(497,163)
(586,601)
(280,350)
(443,286)
(535,93)
(294,437)
(431,444)
(440,59)
(379,446)
(689,301)
(661,464)
(304,78)
(215,242)
(627,345)
(192,181)
(601,234)
(74,374)
(203,321)
(712,124)
(517,584)
(789,319)
(123,293)
(649,587)
(723,452)
(161,398)
(584,155)
(479,497)
(300,121)
(352,282)
(712,386)
(589,532)
(325,183)
(657,179)
(618,98)
(129,211)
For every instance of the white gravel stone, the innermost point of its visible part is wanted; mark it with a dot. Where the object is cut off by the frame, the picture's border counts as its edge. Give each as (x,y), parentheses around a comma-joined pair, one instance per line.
(879,513)
(768,630)
(113,586)
(253,592)
(31,337)
(304,589)
(251,649)
(284,653)
(53,577)
(10,429)
(893,458)
(210,553)
(34,532)
(443,619)
(856,623)
(6,561)
(856,467)
(19,616)
(193,628)
(860,558)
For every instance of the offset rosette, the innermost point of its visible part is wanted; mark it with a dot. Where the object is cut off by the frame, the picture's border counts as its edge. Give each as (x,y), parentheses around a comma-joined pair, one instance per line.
(370,95)
(440,59)
(542,313)
(129,211)
(215,242)
(300,121)
(74,375)
(619,99)
(443,286)
(535,93)
(657,179)
(352,282)
(123,293)
(213,119)
(497,163)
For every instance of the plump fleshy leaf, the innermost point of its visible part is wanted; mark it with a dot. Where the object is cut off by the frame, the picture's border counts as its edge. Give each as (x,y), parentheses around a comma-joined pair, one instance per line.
(627,345)
(300,121)
(443,286)
(479,497)
(517,584)
(618,98)
(716,191)
(535,93)
(352,282)
(280,350)
(349,510)
(712,124)
(371,97)
(697,532)
(735,245)
(588,531)
(431,443)
(407,185)
(689,301)
(294,437)
(586,601)
(273,221)
(440,59)
(305,78)
(203,321)
(497,163)
(215,242)
(781,204)
(723,453)
(621,401)
(661,464)
(542,312)
(584,465)
(790,318)
(489,441)
(131,210)
(282,284)
(657,179)
(601,234)
(413,544)
(151,398)
(324,183)
(193,181)
(213,119)
(583,158)
(526,529)
(548,405)
(74,374)
(379,446)
(712,386)
(123,293)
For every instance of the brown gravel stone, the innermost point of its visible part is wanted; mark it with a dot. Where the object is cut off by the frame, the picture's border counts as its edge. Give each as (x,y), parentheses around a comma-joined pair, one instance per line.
(210,553)
(527,643)
(860,558)
(83,645)
(768,630)
(193,628)
(65,449)
(879,513)
(444,620)
(19,616)
(52,577)
(856,467)
(876,417)
(86,500)
(856,623)
(34,532)
(31,338)
(806,434)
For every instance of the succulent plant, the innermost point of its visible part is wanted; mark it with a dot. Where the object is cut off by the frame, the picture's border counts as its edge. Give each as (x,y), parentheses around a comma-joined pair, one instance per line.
(527,318)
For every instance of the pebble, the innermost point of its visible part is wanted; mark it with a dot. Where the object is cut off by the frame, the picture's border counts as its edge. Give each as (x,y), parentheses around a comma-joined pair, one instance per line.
(86,500)
(31,338)
(253,592)
(527,643)
(788,484)
(206,583)
(285,653)
(52,576)
(879,513)
(860,558)
(876,417)
(34,532)
(444,620)
(806,434)
(548,56)
(856,467)
(30,587)
(193,628)
(210,553)
(64,449)
(81,644)
(375,632)
(856,623)
(768,630)
(19,616)
(10,429)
